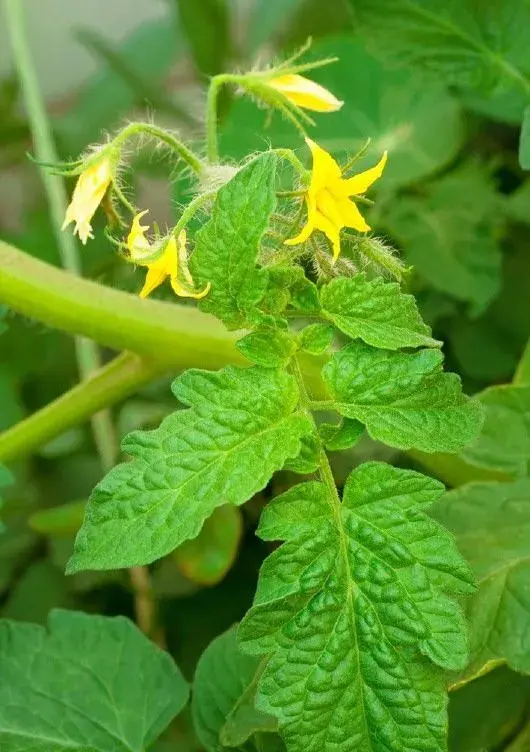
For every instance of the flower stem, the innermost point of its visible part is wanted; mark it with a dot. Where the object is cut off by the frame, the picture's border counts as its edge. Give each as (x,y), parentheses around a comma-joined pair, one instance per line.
(212,115)
(137,129)
(87,353)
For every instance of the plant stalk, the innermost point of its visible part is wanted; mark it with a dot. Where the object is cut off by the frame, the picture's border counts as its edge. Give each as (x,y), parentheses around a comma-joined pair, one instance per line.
(87,353)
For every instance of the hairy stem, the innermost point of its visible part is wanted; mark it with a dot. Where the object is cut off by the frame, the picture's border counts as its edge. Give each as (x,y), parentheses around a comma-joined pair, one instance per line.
(137,129)
(212,140)
(87,353)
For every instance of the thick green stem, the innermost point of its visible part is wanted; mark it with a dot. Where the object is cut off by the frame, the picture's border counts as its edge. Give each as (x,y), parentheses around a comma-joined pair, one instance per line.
(87,353)
(110,384)
(179,336)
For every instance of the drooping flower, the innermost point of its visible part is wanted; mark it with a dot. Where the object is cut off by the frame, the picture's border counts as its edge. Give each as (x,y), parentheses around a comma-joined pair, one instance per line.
(305,93)
(328,198)
(89,191)
(163,259)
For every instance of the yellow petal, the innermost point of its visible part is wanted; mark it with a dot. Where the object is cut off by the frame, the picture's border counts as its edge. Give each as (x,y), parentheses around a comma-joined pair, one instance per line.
(360,183)
(325,170)
(351,216)
(153,279)
(88,193)
(305,93)
(331,231)
(136,240)
(184,292)
(309,226)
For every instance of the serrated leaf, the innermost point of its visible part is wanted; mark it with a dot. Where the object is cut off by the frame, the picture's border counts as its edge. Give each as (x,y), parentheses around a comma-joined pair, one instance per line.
(456,221)
(240,429)
(342,436)
(308,459)
(226,248)
(347,609)
(375,311)
(504,441)
(468,43)
(269,348)
(316,338)
(416,120)
(224,674)
(304,296)
(491,522)
(88,683)
(524,142)
(207,558)
(404,399)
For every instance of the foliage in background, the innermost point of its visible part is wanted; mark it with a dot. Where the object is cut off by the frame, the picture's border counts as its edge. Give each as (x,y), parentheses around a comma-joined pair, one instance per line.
(443,86)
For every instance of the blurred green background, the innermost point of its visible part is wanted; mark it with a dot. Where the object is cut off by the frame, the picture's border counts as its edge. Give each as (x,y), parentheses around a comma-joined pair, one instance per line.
(454,201)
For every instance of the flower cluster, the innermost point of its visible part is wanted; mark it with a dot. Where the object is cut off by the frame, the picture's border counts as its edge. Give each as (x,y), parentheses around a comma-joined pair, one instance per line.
(329,195)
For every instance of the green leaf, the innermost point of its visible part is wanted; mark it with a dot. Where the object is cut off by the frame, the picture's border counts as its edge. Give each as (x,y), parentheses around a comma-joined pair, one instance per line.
(485,713)
(375,311)
(59,521)
(342,436)
(308,459)
(226,248)
(41,587)
(449,235)
(317,338)
(89,683)
(223,677)
(491,523)
(6,479)
(206,25)
(207,558)
(524,142)
(468,43)
(240,428)
(304,296)
(269,347)
(416,120)
(351,608)
(504,441)
(404,399)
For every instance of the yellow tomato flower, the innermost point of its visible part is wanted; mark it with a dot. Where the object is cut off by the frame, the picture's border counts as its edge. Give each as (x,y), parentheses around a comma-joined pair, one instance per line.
(329,207)
(171,262)
(88,193)
(305,93)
